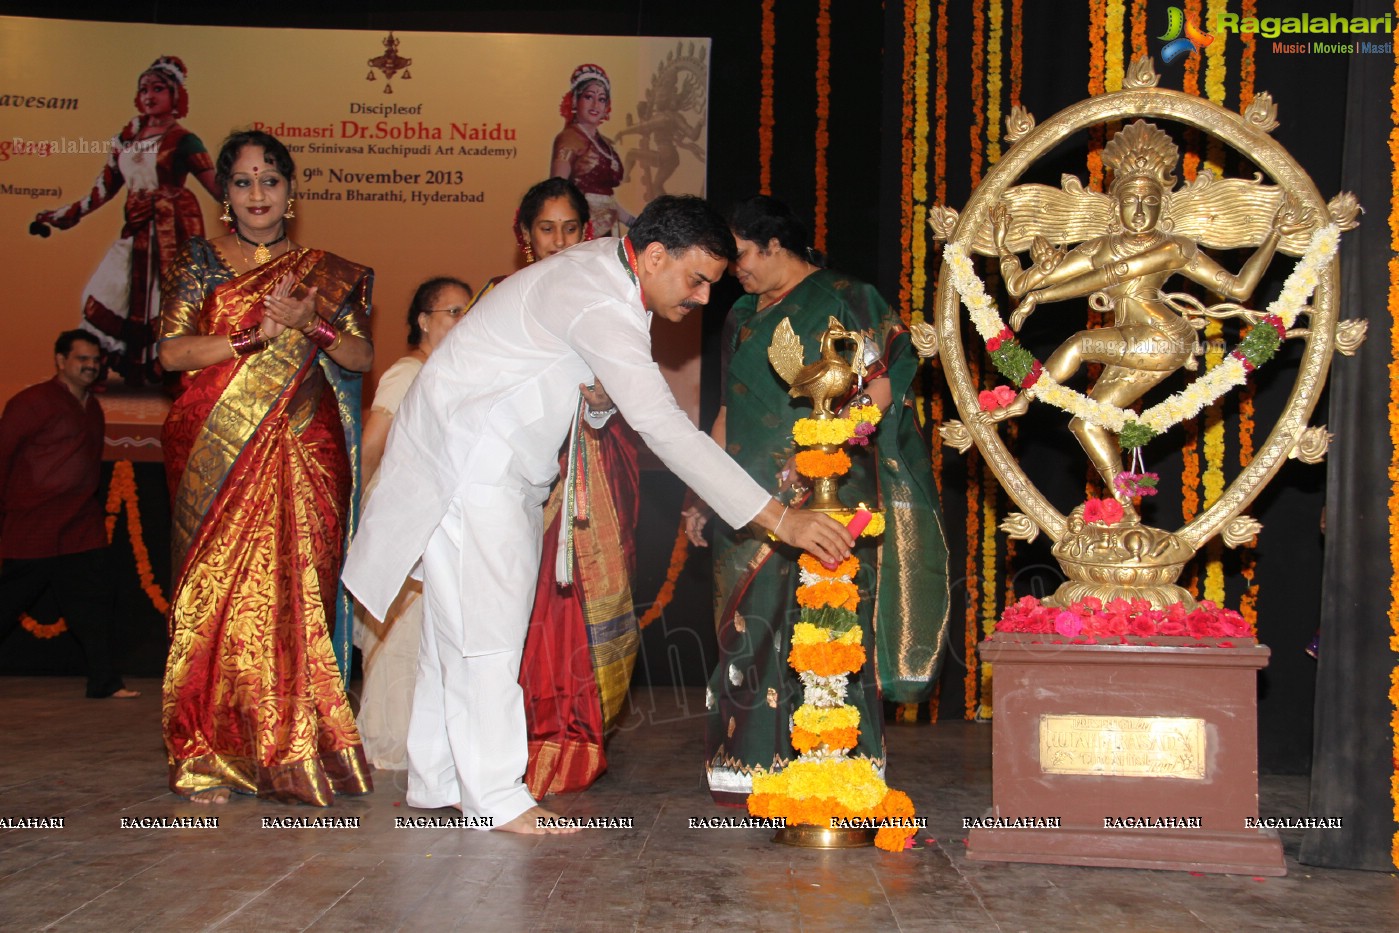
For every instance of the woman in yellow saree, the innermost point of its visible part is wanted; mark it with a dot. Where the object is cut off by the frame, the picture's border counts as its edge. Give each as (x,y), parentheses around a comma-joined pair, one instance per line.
(261,476)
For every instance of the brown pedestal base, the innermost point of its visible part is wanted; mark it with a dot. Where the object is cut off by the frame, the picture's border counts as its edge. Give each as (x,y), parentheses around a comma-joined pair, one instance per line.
(1252,852)
(1126,756)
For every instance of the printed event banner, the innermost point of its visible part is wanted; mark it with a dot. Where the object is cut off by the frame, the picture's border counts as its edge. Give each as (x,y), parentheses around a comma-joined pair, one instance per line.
(412,152)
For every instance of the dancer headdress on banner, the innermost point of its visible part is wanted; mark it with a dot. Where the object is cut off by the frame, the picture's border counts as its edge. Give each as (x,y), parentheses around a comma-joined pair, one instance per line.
(174,71)
(582,76)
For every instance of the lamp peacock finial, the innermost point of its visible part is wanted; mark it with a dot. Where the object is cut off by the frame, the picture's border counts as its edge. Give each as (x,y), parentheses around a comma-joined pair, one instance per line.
(826,380)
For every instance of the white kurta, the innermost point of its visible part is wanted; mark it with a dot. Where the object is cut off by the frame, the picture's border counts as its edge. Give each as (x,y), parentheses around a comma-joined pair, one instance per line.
(466,471)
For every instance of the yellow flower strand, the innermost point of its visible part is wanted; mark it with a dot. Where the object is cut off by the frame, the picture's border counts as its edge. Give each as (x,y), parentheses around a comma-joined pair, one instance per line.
(1112,54)
(996,29)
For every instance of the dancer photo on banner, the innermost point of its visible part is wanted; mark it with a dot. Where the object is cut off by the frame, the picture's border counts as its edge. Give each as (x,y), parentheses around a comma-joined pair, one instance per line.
(152,156)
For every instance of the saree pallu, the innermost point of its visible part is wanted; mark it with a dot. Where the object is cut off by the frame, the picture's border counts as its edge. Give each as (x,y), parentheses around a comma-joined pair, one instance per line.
(262,482)
(582,640)
(753,692)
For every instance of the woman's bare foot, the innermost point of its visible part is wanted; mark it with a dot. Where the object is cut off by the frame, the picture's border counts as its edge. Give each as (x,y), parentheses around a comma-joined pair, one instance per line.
(527,824)
(210,797)
(124,694)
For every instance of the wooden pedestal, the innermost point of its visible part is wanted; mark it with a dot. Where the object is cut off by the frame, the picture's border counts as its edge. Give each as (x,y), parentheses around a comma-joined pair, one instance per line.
(1145,755)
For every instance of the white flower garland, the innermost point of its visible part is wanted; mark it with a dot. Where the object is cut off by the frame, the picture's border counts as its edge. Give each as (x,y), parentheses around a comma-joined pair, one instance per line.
(1181,406)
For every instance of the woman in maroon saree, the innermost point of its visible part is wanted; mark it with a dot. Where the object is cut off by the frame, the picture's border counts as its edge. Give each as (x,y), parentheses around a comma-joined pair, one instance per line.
(583,638)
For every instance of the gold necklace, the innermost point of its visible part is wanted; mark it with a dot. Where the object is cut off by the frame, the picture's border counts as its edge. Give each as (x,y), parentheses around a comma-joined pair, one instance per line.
(262,255)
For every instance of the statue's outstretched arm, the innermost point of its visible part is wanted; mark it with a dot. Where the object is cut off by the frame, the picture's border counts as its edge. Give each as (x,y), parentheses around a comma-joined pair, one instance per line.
(1215,277)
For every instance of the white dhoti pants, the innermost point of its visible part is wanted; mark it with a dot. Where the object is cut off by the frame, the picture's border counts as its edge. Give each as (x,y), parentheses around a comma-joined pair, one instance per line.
(467,741)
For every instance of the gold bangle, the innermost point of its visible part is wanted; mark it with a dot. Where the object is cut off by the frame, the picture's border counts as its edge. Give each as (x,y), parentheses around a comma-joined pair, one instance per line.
(339,335)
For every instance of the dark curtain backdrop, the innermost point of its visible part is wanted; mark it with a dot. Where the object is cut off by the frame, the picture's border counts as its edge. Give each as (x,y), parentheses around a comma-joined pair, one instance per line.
(864,226)
(1352,762)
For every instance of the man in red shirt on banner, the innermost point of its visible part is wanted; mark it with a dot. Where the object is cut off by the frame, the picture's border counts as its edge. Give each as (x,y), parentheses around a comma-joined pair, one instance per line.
(52,532)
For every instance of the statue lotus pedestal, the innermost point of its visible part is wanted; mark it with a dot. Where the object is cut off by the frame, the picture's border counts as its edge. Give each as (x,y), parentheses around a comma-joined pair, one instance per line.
(1146,755)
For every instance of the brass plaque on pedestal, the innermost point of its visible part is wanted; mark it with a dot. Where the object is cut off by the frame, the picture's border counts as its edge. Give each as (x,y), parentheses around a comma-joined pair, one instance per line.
(1123,746)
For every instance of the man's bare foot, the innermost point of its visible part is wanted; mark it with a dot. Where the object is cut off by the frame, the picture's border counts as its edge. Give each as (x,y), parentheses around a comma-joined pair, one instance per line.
(527,824)
(124,694)
(210,797)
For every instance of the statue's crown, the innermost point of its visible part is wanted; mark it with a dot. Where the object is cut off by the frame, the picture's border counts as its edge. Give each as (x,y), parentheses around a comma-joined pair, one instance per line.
(1141,150)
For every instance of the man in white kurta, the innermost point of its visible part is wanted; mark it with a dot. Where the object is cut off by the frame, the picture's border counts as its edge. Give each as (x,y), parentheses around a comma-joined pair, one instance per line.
(468,466)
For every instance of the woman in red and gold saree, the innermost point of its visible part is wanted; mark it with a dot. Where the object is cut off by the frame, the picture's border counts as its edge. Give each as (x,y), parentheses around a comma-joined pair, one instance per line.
(258,456)
(582,640)
(152,157)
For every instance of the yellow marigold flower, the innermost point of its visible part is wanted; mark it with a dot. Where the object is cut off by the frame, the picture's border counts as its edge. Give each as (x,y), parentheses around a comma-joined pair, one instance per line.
(804,633)
(808,431)
(851,636)
(815,719)
(858,413)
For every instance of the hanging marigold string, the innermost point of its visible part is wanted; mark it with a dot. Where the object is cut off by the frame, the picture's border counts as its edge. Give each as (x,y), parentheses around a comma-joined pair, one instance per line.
(918,282)
(1215,435)
(1190,84)
(1017,49)
(1248,558)
(990,565)
(1190,449)
(978,127)
(1097,55)
(1139,48)
(823,117)
(765,118)
(1393,302)
(1017,69)
(679,554)
(1114,30)
(996,23)
(939,171)
(906,122)
(990,487)
(1247,61)
(973,461)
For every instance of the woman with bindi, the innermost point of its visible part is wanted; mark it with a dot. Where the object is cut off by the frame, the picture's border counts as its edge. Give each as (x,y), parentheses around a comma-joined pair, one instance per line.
(271,336)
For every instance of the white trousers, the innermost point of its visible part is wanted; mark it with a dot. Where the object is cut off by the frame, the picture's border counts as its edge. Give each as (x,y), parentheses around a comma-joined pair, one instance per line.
(467,742)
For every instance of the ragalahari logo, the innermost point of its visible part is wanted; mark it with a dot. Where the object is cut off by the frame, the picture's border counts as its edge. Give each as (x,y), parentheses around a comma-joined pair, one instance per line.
(1181,37)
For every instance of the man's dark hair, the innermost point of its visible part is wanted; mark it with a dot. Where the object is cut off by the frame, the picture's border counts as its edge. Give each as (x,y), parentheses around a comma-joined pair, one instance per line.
(762,219)
(680,222)
(273,151)
(64,344)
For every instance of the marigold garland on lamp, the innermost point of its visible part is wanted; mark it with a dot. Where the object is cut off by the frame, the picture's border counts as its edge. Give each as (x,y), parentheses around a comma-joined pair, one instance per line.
(828,799)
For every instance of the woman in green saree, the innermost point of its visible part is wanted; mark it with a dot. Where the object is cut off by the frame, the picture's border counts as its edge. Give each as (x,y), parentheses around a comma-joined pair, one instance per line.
(903,577)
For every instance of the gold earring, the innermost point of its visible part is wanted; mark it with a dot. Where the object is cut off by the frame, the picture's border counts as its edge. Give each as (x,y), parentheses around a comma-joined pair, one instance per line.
(529,253)
(227,213)
(290,214)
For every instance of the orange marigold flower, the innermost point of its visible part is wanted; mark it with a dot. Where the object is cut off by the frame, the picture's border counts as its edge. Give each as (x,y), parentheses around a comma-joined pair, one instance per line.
(818,464)
(837,594)
(847,568)
(829,659)
(833,739)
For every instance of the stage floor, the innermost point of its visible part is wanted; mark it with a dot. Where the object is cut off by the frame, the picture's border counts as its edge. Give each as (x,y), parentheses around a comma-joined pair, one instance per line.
(96,762)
